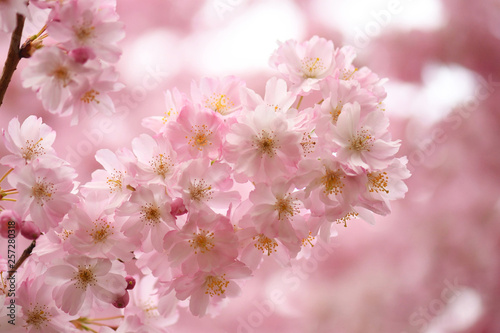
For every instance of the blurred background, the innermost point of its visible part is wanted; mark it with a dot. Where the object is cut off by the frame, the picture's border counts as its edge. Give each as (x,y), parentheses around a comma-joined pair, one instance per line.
(434,264)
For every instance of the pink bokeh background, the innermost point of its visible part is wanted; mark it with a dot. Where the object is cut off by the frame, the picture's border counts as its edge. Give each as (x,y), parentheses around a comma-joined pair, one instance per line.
(433,265)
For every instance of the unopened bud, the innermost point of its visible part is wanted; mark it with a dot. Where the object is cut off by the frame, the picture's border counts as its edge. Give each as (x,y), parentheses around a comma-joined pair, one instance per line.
(10,224)
(130,282)
(122,301)
(82,54)
(30,230)
(177,207)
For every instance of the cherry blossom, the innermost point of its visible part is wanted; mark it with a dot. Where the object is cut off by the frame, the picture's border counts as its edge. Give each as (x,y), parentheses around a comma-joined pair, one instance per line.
(51,73)
(219,95)
(84,24)
(196,134)
(156,160)
(305,64)
(44,192)
(203,288)
(207,240)
(228,178)
(79,279)
(39,311)
(27,142)
(364,143)
(146,216)
(262,145)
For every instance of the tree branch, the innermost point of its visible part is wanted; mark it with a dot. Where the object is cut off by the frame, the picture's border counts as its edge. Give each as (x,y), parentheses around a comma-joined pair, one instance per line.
(12,57)
(24,256)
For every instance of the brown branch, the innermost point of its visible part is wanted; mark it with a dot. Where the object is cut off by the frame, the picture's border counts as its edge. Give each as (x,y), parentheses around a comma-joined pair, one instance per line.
(24,256)
(12,57)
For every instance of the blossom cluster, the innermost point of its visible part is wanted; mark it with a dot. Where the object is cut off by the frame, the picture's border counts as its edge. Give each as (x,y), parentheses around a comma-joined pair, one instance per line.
(73,55)
(225,179)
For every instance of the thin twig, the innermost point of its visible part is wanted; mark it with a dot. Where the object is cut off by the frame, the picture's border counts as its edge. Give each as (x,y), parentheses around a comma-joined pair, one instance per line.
(24,256)
(12,57)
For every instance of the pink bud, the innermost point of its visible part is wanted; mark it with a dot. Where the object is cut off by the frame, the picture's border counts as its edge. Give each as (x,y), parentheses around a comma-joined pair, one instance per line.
(177,207)
(82,54)
(30,230)
(10,224)
(122,301)
(130,282)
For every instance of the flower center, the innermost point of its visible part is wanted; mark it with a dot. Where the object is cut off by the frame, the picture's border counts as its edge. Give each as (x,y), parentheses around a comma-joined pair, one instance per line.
(32,149)
(115,181)
(65,233)
(336,112)
(150,214)
(346,217)
(202,241)
(266,143)
(312,67)
(61,73)
(101,231)
(200,137)
(84,33)
(285,207)
(332,181)
(42,191)
(168,114)
(265,244)
(377,182)
(90,96)
(84,277)
(161,164)
(347,74)
(219,103)
(308,240)
(362,141)
(307,144)
(200,190)
(216,285)
(37,317)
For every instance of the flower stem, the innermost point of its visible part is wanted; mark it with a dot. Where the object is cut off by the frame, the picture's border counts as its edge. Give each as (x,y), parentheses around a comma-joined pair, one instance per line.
(12,57)
(24,256)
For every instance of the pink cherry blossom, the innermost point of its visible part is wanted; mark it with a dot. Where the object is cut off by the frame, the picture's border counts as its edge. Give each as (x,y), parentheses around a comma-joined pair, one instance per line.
(174,102)
(276,213)
(336,94)
(44,192)
(91,96)
(80,279)
(305,64)
(117,178)
(262,145)
(146,217)
(39,312)
(207,240)
(204,184)
(364,143)
(204,288)
(219,95)
(97,233)
(276,97)
(196,134)
(31,140)
(383,186)
(51,73)
(85,24)
(156,160)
